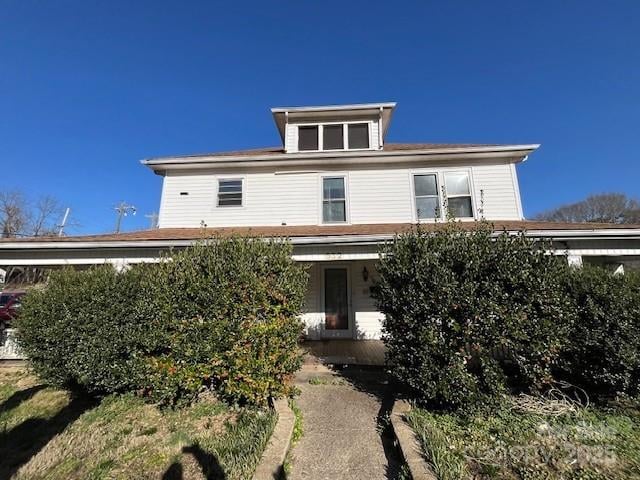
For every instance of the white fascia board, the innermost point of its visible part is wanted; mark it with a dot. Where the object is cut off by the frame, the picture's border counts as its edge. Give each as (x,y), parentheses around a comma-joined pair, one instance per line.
(332,108)
(514,152)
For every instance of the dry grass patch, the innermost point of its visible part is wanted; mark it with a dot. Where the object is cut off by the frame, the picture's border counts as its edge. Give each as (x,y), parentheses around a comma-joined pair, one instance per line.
(531,440)
(45,434)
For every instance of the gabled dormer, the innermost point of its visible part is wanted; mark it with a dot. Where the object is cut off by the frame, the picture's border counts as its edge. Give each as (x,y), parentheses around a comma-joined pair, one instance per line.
(334,128)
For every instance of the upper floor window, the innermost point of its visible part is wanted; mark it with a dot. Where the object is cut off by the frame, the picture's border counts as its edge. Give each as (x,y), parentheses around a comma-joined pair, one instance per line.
(427,197)
(333,136)
(458,194)
(230,192)
(358,135)
(308,137)
(334,200)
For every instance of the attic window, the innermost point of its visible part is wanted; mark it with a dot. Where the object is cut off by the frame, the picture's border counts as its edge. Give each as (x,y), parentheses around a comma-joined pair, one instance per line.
(358,135)
(308,138)
(334,136)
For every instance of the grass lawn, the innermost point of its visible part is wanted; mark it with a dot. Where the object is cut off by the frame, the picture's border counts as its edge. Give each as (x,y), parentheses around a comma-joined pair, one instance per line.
(528,438)
(44,434)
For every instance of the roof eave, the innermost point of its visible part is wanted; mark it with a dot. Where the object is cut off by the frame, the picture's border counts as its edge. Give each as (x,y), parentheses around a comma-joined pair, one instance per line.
(550,234)
(515,152)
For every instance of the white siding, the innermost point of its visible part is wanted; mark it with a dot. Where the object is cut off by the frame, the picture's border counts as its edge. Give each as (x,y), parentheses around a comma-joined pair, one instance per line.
(268,199)
(501,195)
(376,195)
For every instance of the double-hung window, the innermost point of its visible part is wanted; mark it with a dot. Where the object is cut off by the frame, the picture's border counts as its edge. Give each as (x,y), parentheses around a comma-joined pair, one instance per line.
(458,194)
(427,197)
(334,200)
(230,192)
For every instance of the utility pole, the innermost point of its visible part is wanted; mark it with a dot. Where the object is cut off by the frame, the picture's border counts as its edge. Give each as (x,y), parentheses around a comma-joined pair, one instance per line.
(153,220)
(123,209)
(64,222)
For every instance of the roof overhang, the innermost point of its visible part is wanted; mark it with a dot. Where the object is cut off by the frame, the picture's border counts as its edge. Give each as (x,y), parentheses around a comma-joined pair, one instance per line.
(281,115)
(351,239)
(514,153)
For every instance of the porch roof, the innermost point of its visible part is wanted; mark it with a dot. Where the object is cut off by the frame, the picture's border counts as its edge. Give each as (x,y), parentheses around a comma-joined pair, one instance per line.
(301,234)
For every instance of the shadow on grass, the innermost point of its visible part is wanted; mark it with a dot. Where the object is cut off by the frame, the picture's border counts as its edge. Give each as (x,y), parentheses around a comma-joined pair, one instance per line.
(20,396)
(211,468)
(20,443)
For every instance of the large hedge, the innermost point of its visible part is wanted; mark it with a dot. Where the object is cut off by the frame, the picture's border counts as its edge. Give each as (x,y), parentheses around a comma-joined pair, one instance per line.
(232,308)
(89,329)
(221,315)
(602,354)
(469,315)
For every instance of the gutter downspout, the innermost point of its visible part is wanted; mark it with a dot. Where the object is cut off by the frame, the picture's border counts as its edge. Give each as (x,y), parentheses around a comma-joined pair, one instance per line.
(380,129)
(286,131)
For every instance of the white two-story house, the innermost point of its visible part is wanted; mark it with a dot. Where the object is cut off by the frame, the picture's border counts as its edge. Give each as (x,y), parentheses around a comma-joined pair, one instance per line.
(337,189)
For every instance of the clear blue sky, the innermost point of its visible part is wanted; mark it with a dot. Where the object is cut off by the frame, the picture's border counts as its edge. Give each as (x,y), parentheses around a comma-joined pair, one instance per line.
(88,88)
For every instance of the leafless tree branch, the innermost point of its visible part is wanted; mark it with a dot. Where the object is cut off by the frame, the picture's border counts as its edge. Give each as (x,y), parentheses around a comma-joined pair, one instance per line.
(601,208)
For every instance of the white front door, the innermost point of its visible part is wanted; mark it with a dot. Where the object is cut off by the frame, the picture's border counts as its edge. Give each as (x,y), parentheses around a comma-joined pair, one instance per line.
(336,300)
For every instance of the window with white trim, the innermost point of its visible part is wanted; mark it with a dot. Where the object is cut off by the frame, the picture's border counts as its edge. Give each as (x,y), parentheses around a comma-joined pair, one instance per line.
(358,135)
(334,200)
(425,188)
(308,137)
(458,194)
(230,192)
(334,136)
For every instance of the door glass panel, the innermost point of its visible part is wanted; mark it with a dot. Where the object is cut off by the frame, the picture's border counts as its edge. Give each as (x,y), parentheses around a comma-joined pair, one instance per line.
(336,299)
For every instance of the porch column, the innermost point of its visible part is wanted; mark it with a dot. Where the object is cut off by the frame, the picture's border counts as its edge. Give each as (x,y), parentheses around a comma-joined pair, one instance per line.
(120,264)
(574,260)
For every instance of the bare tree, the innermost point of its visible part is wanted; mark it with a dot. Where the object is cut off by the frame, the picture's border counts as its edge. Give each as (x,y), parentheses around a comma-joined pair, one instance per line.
(601,208)
(19,217)
(46,213)
(14,213)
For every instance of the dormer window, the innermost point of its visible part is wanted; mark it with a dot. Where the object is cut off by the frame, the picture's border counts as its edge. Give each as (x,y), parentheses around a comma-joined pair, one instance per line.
(358,135)
(308,137)
(334,136)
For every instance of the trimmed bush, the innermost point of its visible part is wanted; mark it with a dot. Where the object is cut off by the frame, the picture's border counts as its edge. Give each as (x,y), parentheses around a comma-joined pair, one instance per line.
(89,330)
(232,308)
(603,352)
(221,315)
(469,315)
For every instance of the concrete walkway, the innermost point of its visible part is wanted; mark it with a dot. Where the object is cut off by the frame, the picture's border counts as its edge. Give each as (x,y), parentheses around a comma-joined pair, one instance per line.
(345,426)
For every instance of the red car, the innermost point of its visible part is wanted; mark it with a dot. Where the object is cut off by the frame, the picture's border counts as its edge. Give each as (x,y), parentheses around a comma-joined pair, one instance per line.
(9,306)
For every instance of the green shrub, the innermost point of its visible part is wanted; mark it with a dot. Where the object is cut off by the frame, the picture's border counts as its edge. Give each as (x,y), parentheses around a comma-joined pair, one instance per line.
(222,315)
(89,330)
(603,352)
(469,315)
(232,307)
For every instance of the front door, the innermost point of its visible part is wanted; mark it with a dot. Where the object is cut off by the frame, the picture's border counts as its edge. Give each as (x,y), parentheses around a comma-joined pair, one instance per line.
(337,321)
